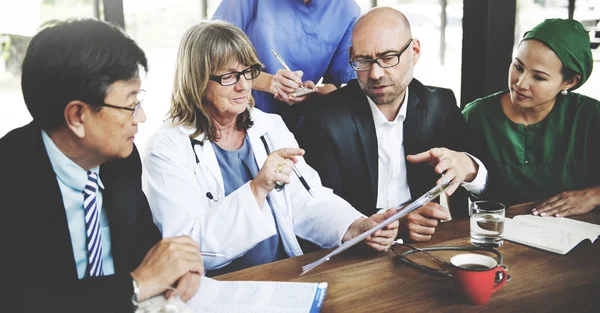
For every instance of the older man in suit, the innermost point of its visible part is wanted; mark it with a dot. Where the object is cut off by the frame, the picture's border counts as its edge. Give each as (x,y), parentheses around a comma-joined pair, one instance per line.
(77,232)
(359,137)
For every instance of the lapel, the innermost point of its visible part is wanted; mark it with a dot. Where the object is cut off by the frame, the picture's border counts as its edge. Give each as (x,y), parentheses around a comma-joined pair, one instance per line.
(208,159)
(363,119)
(262,124)
(120,203)
(261,127)
(413,124)
(207,155)
(45,211)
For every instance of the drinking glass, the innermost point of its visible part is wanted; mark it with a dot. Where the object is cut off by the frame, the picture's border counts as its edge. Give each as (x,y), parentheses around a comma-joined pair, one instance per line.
(487,223)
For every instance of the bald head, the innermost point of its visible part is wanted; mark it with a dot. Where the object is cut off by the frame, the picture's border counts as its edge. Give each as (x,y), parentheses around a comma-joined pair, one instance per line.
(382,45)
(382,19)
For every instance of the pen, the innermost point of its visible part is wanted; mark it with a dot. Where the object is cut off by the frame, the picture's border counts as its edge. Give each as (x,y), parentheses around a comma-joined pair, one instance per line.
(301,91)
(213,254)
(280,59)
(294,168)
(302,180)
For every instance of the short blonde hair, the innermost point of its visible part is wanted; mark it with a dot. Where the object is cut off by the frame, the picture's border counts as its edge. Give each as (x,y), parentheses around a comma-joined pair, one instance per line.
(206,48)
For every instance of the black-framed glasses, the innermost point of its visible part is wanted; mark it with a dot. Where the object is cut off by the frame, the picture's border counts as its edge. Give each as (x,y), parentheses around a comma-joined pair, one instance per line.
(385,61)
(136,108)
(232,78)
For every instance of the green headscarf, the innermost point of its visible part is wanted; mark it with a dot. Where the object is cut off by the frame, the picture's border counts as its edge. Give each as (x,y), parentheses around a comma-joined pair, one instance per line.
(571,43)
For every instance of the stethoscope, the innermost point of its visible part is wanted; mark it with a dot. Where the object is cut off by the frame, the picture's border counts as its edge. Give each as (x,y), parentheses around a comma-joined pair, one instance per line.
(402,257)
(215,196)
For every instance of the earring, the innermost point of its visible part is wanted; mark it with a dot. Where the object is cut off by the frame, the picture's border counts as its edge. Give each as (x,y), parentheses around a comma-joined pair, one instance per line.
(564,92)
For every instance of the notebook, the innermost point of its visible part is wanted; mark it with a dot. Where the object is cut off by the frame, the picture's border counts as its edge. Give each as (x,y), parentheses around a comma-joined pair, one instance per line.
(216,296)
(558,235)
(302,91)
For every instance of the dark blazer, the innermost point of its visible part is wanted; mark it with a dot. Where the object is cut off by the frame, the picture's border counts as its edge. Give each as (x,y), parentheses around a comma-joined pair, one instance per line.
(338,134)
(37,264)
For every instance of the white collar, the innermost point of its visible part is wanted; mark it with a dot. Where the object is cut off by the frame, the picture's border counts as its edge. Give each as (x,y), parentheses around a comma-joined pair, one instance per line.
(380,119)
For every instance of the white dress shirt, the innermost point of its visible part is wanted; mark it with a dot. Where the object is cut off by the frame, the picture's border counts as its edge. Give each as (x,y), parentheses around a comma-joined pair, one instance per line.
(392,182)
(71,180)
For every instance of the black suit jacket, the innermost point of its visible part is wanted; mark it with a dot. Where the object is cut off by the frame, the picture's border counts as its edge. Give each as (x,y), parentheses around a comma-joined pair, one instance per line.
(37,265)
(338,134)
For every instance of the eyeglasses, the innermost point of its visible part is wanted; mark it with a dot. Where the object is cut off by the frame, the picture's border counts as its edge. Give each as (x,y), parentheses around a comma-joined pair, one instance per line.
(232,78)
(138,104)
(383,62)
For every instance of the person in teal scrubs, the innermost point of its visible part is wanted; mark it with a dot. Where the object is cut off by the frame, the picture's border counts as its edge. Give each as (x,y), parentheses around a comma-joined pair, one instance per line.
(538,139)
(313,37)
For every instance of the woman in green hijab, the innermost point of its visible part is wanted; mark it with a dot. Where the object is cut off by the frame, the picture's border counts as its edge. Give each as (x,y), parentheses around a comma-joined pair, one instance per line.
(539,140)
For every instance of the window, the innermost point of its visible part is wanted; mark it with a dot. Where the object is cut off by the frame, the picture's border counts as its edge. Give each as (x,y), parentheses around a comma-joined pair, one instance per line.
(436,67)
(533,12)
(19,21)
(158,26)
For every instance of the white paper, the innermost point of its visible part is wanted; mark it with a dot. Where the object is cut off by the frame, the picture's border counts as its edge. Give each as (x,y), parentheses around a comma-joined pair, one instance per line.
(261,297)
(558,235)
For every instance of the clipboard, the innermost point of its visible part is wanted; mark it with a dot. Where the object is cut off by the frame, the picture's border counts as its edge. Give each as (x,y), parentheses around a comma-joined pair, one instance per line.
(425,198)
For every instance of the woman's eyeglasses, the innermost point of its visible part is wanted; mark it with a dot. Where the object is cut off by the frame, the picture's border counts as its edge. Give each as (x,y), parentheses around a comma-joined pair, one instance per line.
(232,78)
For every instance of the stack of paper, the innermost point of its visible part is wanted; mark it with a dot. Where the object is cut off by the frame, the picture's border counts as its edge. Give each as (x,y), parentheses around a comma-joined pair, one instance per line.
(261,297)
(558,235)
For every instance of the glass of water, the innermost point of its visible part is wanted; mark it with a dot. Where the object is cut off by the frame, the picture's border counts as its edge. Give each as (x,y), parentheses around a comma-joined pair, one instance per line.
(487,223)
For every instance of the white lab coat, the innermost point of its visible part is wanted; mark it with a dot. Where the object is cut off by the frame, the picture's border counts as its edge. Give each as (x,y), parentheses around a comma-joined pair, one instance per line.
(176,188)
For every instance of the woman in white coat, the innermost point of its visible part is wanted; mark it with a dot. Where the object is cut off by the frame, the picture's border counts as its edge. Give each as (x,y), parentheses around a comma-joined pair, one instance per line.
(211,169)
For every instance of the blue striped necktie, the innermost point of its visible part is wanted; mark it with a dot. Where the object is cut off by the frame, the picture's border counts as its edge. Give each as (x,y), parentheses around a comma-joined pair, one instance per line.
(92,226)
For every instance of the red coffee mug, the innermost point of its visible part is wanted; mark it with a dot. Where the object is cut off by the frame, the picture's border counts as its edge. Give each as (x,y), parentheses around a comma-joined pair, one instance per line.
(475,275)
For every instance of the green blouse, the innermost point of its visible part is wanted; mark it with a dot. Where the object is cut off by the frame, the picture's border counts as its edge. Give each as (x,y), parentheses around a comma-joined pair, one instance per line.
(534,162)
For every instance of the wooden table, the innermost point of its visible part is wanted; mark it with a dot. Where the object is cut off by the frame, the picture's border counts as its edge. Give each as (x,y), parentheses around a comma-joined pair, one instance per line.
(363,281)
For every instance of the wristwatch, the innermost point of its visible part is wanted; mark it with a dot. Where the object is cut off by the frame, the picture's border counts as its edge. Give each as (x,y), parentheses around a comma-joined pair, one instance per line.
(136,291)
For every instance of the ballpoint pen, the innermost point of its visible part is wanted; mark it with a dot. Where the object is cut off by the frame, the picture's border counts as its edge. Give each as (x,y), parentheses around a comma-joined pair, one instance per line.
(213,254)
(280,59)
(301,91)
(294,168)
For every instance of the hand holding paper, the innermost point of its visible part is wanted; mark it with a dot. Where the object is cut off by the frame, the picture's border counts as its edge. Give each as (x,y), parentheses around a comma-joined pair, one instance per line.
(420,224)
(380,240)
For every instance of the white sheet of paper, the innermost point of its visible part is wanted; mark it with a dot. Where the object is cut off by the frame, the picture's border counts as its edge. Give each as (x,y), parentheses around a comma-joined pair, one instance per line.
(254,296)
(558,235)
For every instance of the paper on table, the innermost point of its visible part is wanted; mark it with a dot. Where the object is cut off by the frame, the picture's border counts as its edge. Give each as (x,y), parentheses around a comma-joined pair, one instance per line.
(558,235)
(257,297)
(428,196)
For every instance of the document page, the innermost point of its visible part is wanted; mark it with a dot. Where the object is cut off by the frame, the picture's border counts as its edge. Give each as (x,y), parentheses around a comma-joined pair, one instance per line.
(261,297)
(558,235)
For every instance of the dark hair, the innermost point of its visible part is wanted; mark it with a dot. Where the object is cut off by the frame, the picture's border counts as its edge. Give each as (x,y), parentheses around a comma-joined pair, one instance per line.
(567,73)
(77,59)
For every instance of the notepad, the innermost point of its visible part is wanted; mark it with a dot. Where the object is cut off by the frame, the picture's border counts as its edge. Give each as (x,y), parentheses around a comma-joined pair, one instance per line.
(216,296)
(558,235)
(302,91)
